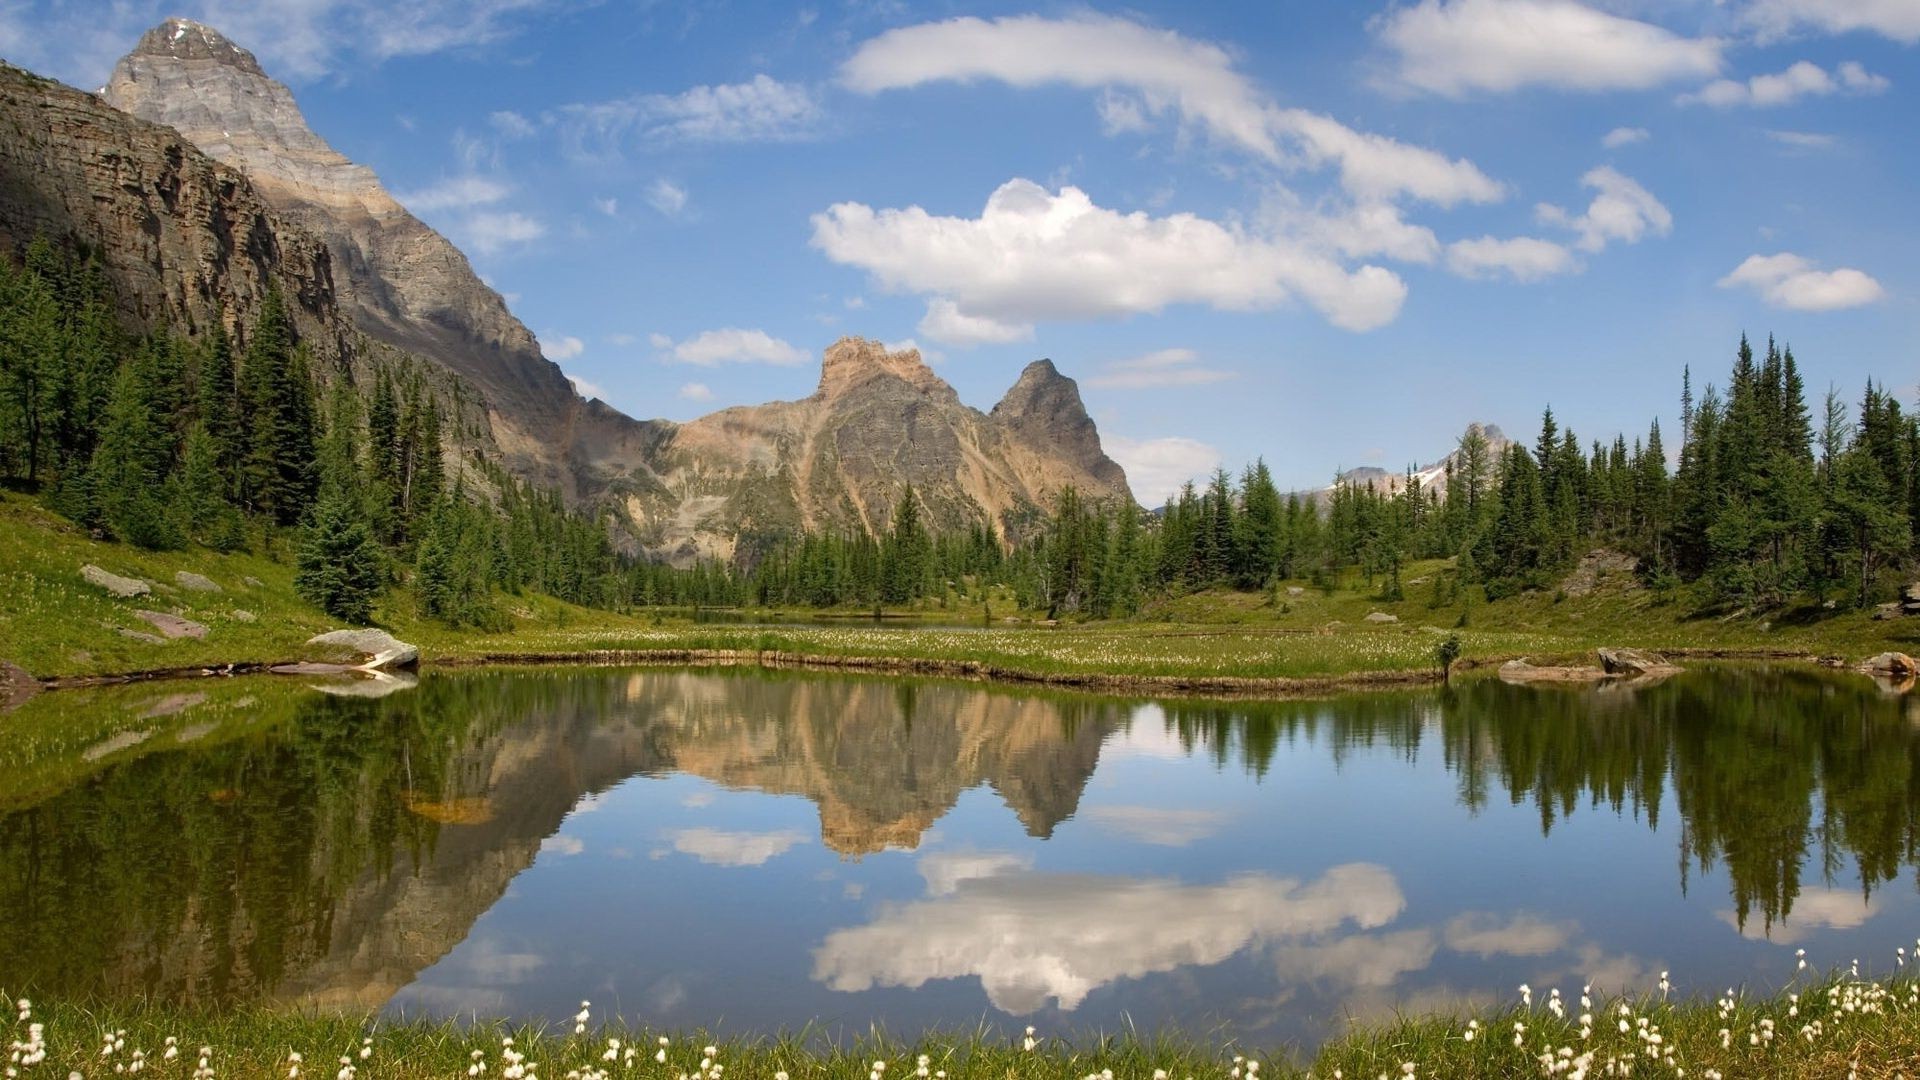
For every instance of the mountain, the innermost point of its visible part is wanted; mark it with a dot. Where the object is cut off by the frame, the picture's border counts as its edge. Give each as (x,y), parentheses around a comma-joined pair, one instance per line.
(840,458)
(1432,477)
(198,182)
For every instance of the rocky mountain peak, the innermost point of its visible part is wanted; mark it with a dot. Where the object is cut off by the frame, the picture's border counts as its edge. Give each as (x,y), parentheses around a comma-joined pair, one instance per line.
(1044,408)
(184,39)
(853,362)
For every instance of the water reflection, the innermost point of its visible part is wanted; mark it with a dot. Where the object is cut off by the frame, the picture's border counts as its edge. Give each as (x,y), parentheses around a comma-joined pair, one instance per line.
(764,849)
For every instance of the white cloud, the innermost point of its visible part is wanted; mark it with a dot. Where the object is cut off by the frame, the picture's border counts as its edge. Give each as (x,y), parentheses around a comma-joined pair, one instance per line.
(559,844)
(1522,258)
(1814,908)
(694,391)
(1804,140)
(585,388)
(1622,210)
(491,232)
(1162,367)
(1158,825)
(1795,283)
(718,847)
(1895,19)
(1033,937)
(933,357)
(1357,231)
(1485,935)
(1144,73)
(563,348)
(1624,136)
(1034,255)
(944,321)
(1456,47)
(667,197)
(711,348)
(609,206)
(1156,468)
(1803,79)
(759,110)
(945,871)
(511,124)
(458,193)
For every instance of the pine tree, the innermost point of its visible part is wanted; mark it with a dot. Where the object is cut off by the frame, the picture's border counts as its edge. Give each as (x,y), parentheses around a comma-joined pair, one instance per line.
(130,463)
(337,566)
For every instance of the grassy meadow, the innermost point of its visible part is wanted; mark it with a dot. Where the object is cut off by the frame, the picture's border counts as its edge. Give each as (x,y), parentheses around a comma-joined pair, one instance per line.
(53,623)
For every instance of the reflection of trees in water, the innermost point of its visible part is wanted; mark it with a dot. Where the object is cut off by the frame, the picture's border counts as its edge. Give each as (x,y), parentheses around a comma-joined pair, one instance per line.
(1768,768)
(334,848)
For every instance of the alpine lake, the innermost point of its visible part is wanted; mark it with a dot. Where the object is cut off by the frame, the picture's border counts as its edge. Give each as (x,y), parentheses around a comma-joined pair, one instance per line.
(748,851)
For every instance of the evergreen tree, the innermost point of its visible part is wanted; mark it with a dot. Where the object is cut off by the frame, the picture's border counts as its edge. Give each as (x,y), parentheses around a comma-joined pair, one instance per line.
(337,566)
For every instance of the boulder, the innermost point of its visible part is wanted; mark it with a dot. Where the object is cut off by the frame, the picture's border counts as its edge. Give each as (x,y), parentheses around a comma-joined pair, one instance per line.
(143,638)
(1890,610)
(372,648)
(173,626)
(1634,663)
(1894,665)
(193,582)
(122,587)
(1295,590)
(242,615)
(1381,617)
(1521,672)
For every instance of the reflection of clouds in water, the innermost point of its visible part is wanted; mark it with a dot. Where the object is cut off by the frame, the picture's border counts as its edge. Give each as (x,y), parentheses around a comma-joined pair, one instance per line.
(1362,960)
(1146,735)
(697,799)
(1485,934)
(1164,826)
(718,847)
(590,802)
(1029,937)
(562,844)
(945,871)
(1814,909)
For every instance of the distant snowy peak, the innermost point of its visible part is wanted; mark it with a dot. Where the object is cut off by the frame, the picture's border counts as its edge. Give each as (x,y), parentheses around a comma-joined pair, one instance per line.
(1431,477)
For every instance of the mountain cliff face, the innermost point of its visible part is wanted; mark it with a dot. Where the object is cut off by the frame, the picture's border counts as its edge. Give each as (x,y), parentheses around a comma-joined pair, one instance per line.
(840,458)
(209,185)
(410,287)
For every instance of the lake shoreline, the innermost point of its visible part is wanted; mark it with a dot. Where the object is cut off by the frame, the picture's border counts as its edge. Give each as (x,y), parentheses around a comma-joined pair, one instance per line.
(20,684)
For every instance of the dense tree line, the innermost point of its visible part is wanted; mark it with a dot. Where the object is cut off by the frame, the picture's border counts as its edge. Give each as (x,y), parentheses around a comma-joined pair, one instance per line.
(164,441)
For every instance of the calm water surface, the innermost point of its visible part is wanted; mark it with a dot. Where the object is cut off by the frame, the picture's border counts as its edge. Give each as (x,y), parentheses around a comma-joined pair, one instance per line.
(753,851)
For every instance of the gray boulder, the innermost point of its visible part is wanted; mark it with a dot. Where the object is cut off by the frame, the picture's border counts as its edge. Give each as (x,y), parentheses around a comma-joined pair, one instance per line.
(372,648)
(1896,665)
(1634,663)
(122,587)
(1381,617)
(193,582)
(173,626)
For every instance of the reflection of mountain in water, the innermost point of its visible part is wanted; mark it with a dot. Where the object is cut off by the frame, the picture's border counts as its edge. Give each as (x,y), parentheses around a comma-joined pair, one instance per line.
(332,859)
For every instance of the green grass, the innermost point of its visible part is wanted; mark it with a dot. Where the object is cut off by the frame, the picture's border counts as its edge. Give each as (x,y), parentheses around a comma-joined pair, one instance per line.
(52,623)
(1830,1027)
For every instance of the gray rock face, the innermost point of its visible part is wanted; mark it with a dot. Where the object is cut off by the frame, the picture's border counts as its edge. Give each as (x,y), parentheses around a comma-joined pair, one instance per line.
(842,457)
(173,626)
(1634,663)
(193,582)
(373,648)
(1896,665)
(122,587)
(409,287)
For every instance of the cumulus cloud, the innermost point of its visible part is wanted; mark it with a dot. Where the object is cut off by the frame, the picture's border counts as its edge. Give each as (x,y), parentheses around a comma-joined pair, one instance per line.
(564,347)
(1158,825)
(944,321)
(559,844)
(1895,19)
(1521,258)
(1815,908)
(1790,281)
(762,109)
(1621,210)
(1356,231)
(1803,79)
(669,198)
(457,193)
(718,847)
(1142,74)
(585,388)
(1034,254)
(1624,136)
(1033,937)
(491,232)
(711,348)
(1156,468)
(1160,368)
(1485,934)
(1456,47)
(694,391)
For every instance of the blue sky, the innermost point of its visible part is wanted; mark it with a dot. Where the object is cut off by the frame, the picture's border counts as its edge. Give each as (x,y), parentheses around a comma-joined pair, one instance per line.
(1327,233)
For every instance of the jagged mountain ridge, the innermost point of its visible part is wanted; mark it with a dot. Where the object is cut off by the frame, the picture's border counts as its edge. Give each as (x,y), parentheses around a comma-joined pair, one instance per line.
(188,240)
(1431,477)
